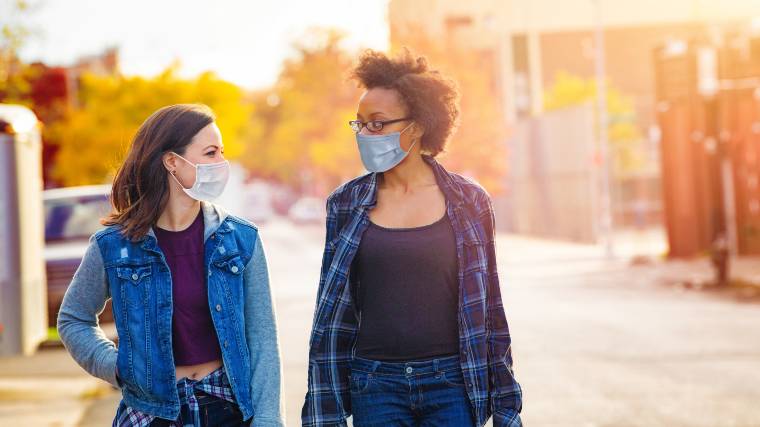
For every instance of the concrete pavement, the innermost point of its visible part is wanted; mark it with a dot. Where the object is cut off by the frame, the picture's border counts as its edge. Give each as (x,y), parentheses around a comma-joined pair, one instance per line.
(46,389)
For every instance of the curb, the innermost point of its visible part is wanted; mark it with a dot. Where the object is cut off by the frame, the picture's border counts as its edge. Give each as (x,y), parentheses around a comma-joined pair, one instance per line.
(15,389)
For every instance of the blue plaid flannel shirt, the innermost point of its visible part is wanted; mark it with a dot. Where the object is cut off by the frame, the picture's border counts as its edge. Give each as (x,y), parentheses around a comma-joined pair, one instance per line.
(484,339)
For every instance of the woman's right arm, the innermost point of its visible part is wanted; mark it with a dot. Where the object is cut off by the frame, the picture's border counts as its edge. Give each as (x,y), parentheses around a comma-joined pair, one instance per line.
(78,325)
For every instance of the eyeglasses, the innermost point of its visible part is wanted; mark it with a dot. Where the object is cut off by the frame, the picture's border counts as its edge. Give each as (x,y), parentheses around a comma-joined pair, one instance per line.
(373,125)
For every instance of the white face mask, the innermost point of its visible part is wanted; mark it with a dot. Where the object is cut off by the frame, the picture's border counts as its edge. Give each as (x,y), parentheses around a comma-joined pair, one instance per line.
(210,180)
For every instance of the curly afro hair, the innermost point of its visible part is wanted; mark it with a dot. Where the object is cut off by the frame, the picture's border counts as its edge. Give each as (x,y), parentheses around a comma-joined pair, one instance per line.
(431,98)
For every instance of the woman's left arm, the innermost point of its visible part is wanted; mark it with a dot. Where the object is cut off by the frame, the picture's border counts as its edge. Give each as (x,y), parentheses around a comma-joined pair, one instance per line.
(505,392)
(261,334)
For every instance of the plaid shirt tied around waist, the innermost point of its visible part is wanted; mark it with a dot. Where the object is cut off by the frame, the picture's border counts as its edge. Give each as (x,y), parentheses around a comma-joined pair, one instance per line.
(215,384)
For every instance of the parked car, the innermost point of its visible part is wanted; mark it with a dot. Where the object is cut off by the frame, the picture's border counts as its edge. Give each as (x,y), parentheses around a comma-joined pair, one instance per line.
(72,215)
(308,210)
(257,203)
(282,198)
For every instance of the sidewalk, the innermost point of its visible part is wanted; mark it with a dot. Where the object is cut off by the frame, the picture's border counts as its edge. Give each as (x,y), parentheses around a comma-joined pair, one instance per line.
(744,273)
(649,247)
(50,389)
(46,389)
(652,245)
(644,249)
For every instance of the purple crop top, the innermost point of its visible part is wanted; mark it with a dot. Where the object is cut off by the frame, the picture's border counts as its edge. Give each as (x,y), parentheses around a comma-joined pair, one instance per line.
(193,335)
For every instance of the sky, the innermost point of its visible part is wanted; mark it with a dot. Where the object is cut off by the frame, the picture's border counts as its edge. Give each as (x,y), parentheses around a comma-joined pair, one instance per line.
(242,41)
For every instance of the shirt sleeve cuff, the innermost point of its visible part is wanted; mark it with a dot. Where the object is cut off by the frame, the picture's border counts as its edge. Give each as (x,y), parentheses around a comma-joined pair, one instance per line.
(109,370)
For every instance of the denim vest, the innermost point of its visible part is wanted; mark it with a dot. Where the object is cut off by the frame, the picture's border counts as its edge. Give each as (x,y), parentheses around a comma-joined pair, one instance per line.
(140,285)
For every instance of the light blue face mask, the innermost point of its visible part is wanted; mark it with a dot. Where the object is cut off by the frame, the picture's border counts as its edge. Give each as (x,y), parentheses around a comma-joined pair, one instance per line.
(381,153)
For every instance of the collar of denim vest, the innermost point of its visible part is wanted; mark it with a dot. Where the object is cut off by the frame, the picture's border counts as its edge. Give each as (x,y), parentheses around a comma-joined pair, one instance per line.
(213,218)
(451,189)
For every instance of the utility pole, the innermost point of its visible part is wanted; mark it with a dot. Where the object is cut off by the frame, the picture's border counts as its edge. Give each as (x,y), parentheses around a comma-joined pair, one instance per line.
(605,205)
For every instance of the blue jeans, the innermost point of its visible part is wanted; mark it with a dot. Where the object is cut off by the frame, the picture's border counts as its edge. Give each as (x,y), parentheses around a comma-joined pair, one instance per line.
(426,393)
(214,412)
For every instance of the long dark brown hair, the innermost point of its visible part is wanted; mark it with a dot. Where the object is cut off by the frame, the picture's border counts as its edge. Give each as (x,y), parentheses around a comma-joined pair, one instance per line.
(140,190)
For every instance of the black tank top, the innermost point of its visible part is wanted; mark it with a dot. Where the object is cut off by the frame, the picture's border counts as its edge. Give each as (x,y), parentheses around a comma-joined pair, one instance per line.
(407,291)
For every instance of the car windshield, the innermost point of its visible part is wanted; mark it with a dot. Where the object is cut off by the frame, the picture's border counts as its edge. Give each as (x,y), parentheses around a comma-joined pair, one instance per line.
(74,218)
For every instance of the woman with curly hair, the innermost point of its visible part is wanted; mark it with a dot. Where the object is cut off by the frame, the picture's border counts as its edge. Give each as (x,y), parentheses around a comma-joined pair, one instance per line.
(409,327)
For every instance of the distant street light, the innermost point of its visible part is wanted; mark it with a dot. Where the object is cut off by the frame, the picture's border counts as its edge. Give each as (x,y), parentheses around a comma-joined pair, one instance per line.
(605,206)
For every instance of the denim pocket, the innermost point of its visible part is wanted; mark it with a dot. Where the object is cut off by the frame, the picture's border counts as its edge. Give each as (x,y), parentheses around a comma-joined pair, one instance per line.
(454,378)
(135,280)
(359,381)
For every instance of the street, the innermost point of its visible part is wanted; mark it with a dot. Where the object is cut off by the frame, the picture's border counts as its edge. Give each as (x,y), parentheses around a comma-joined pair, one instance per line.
(595,342)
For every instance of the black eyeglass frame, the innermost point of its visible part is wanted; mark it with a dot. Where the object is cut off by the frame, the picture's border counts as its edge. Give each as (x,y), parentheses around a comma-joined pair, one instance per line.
(358,125)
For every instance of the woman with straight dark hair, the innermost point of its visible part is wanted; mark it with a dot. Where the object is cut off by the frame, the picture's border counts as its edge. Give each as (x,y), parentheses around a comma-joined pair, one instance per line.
(409,328)
(188,284)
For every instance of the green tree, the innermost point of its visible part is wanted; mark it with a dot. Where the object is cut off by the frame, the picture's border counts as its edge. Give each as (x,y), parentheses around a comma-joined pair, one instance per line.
(622,130)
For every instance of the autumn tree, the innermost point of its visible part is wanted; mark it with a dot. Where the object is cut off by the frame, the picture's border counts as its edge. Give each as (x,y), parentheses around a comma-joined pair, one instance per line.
(15,76)
(94,136)
(306,141)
